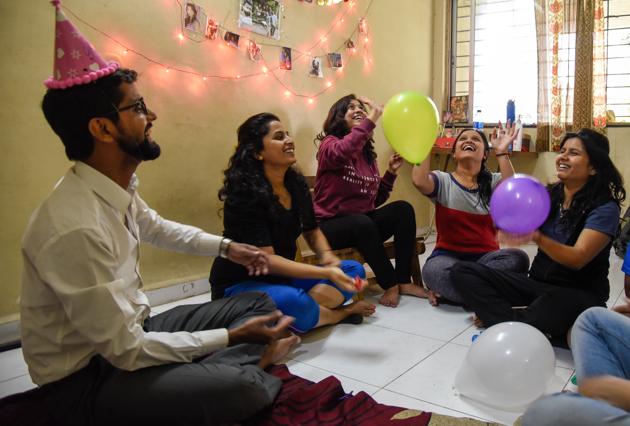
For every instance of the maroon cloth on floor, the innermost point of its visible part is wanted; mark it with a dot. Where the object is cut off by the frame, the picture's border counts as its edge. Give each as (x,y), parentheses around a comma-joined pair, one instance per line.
(302,402)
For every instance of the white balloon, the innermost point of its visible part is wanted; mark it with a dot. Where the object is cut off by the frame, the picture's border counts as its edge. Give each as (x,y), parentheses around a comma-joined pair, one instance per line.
(507,367)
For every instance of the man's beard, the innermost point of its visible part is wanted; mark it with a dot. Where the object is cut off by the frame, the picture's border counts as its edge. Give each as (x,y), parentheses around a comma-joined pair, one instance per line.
(143,151)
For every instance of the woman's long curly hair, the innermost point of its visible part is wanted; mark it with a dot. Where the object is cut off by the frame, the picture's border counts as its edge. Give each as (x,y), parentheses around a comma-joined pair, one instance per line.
(245,182)
(604,186)
(335,125)
(484,177)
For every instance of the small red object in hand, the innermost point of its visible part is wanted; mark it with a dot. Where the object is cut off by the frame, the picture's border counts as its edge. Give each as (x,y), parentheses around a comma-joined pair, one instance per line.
(359,283)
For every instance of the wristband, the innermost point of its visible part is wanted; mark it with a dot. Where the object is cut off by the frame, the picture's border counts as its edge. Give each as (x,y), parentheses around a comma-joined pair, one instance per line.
(224,247)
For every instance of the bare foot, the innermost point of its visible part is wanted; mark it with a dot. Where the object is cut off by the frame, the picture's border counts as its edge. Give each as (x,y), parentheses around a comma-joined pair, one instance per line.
(476,321)
(413,290)
(390,297)
(433,298)
(277,350)
(361,307)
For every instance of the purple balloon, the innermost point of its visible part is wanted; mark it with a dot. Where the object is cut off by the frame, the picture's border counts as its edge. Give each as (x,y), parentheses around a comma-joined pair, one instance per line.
(519,204)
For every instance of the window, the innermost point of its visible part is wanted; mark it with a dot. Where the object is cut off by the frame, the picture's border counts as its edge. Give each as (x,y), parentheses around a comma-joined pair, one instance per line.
(617,30)
(494,58)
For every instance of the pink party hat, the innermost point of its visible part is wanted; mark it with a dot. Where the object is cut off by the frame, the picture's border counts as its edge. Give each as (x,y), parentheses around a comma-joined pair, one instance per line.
(76,61)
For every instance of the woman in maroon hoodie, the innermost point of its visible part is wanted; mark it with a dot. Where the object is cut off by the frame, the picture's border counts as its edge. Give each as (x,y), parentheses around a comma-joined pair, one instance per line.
(348,190)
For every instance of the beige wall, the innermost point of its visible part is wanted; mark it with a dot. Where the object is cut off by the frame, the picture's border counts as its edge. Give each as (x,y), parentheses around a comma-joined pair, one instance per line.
(197,121)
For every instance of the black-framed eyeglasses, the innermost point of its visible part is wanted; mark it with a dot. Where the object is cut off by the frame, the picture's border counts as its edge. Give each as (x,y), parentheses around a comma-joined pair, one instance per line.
(138,106)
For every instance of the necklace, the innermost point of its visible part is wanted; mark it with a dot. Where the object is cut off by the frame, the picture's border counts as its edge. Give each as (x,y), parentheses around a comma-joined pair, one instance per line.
(471,186)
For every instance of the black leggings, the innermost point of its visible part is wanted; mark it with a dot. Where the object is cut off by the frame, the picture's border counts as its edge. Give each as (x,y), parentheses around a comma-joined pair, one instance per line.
(491,294)
(367,232)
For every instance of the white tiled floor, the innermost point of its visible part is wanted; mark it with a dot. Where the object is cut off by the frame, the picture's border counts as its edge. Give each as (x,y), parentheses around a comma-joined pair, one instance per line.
(407,356)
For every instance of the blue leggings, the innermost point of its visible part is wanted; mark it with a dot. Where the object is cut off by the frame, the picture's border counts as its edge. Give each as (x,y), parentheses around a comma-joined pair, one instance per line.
(292,298)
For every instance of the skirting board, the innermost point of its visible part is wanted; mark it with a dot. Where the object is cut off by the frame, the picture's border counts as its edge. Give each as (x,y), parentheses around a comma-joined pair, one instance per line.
(10,331)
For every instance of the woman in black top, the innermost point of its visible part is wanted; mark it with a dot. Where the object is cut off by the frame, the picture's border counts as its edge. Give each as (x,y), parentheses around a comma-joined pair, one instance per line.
(570,272)
(267,203)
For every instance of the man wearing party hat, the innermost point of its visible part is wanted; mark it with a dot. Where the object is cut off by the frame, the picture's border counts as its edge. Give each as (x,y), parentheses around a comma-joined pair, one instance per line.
(86,333)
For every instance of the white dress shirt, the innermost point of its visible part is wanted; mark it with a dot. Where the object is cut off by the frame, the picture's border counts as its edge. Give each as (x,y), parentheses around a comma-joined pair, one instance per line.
(81,290)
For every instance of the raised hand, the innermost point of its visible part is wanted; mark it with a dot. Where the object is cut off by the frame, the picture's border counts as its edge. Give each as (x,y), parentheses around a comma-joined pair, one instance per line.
(262,329)
(254,259)
(503,137)
(375,110)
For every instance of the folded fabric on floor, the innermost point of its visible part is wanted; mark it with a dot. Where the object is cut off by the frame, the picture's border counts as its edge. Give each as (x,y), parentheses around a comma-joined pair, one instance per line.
(302,402)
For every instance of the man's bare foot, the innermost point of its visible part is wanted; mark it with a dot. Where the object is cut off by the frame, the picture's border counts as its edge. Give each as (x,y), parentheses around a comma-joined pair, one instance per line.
(433,298)
(361,307)
(412,289)
(391,297)
(277,350)
(476,321)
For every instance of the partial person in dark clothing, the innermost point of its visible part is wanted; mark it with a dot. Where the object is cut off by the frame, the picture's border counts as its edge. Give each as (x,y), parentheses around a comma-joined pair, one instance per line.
(267,202)
(348,190)
(570,272)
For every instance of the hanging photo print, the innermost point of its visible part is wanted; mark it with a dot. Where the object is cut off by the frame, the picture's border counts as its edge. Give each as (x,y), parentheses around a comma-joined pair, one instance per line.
(254,51)
(285,59)
(212,29)
(231,39)
(363,28)
(194,20)
(334,59)
(260,17)
(316,68)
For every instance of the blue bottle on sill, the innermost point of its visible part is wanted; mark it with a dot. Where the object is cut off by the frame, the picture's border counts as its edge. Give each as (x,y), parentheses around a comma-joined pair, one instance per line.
(510,111)
(477,121)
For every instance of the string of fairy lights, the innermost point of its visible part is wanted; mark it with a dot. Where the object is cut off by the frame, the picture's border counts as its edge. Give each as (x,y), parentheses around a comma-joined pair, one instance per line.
(266,69)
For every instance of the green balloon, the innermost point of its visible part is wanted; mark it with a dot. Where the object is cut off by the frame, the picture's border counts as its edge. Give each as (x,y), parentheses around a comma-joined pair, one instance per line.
(411,124)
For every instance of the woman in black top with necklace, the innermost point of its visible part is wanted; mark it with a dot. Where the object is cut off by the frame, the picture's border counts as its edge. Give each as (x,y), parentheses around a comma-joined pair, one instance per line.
(267,204)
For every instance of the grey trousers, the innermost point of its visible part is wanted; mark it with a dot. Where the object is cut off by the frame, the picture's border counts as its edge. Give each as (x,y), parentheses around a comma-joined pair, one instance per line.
(224,387)
(436,271)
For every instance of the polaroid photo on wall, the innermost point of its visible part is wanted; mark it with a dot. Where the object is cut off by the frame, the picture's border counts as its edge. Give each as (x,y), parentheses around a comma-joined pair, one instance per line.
(194,20)
(316,68)
(260,17)
(231,39)
(363,27)
(334,60)
(285,59)
(212,29)
(254,51)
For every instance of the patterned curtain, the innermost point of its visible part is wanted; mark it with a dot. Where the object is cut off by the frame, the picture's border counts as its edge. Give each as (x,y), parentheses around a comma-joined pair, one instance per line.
(571,68)
(589,109)
(555,30)
(599,67)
